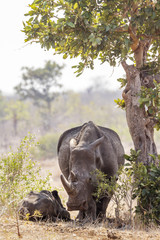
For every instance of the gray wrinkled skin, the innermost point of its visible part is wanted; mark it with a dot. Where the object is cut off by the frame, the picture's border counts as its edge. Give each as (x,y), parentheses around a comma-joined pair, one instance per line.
(81,151)
(48,204)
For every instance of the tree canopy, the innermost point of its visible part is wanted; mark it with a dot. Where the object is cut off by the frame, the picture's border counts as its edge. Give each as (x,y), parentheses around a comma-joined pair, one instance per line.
(40,84)
(109,30)
(113,32)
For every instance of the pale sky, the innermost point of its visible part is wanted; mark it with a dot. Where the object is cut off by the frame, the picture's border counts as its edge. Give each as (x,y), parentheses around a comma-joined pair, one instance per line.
(14,54)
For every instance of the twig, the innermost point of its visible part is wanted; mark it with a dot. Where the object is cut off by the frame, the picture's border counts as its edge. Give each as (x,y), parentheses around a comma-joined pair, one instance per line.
(17,224)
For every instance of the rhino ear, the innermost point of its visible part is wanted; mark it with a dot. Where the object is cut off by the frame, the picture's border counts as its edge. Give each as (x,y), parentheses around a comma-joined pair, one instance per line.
(96,143)
(73,143)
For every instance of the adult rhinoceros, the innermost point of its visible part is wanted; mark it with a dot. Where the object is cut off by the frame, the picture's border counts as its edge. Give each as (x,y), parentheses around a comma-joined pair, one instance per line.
(81,151)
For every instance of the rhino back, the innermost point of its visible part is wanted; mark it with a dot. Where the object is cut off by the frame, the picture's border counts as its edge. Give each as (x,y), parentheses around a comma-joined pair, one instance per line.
(115,141)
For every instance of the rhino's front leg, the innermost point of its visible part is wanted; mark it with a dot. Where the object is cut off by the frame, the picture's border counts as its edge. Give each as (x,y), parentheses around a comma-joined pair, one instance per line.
(91,211)
(81,215)
(88,215)
(102,205)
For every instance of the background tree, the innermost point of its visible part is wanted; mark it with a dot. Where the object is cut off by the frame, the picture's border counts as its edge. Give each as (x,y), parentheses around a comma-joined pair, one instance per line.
(16,111)
(112,31)
(2,104)
(41,85)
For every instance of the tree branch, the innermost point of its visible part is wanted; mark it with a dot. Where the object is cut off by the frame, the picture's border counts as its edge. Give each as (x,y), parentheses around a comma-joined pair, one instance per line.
(134,38)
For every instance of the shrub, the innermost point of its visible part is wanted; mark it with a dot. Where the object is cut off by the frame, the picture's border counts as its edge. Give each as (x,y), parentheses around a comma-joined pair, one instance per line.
(47,147)
(120,192)
(19,175)
(137,182)
(146,190)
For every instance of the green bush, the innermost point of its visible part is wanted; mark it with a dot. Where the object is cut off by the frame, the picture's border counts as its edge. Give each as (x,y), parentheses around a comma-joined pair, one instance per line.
(147,193)
(146,188)
(137,182)
(120,192)
(47,147)
(19,175)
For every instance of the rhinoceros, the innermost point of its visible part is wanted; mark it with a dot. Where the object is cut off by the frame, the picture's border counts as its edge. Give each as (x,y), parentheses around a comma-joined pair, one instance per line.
(44,205)
(82,150)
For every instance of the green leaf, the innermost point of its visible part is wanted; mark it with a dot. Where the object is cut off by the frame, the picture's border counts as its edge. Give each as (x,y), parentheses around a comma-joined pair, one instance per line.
(35,26)
(72,25)
(78,74)
(94,43)
(38,1)
(75,5)
(98,40)
(127,43)
(127,157)
(107,28)
(91,36)
(65,56)
(144,100)
(62,43)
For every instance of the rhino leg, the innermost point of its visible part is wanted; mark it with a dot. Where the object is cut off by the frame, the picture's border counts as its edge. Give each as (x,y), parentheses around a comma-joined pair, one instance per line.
(81,216)
(102,205)
(88,215)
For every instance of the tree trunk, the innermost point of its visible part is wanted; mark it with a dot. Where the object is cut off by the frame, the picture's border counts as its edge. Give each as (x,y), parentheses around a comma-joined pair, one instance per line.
(15,122)
(141,127)
(48,116)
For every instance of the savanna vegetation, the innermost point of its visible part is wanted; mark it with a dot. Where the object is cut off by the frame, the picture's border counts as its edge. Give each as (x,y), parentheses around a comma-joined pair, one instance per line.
(125,32)
(69,109)
(122,32)
(18,170)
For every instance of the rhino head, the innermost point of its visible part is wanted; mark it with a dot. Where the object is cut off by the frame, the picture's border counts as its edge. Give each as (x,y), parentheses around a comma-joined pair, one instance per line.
(84,159)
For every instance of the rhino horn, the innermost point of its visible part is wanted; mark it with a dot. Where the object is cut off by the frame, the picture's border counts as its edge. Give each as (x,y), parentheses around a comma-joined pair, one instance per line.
(96,143)
(66,185)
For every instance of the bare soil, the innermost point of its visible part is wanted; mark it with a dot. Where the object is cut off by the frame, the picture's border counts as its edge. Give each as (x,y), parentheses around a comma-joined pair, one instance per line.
(69,231)
(11,229)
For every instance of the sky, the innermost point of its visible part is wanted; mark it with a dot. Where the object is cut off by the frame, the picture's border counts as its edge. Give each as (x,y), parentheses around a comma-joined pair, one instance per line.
(15,54)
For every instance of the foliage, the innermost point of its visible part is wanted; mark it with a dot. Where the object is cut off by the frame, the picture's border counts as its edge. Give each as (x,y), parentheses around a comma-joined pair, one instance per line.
(150,98)
(47,146)
(136,182)
(38,84)
(68,110)
(19,175)
(104,185)
(123,82)
(16,111)
(108,30)
(146,188)
(120,103)
(120,192)
(148,192)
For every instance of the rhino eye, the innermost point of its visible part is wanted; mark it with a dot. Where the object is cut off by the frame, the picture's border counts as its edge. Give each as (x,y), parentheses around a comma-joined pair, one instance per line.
(73,177)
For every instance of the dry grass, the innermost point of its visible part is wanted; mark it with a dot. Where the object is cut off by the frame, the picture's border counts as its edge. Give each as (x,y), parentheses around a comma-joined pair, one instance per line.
(68,231)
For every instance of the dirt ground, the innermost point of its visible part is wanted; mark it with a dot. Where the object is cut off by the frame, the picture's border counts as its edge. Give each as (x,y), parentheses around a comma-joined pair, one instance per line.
(69,231)
(10,229)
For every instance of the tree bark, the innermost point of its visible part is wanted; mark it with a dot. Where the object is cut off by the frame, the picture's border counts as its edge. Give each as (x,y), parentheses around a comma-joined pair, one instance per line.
(141,127)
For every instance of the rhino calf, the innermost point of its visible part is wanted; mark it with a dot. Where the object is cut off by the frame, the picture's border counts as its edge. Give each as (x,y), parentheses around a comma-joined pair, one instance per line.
(44,205)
